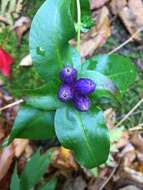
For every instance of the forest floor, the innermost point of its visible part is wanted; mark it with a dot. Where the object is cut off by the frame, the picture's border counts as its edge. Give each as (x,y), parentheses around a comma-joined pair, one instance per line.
(124,169)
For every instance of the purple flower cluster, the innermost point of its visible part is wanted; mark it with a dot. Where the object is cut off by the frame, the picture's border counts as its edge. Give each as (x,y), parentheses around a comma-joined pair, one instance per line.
(75,90)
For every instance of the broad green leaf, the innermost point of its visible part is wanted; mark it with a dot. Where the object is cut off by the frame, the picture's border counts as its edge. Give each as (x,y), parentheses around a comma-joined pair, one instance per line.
(46,103)
(15,182)
(44,98)
(51,185)
(118,68)
(46,89)
(51,30)
(33,124)
(34,170)
(105,88)
(84,133)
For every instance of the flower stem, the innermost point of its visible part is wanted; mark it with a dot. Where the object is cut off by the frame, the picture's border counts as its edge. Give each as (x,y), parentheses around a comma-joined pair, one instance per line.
(78,24)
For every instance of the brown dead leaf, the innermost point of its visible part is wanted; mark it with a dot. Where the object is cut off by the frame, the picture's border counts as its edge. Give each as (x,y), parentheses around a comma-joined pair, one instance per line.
(134,175)
(28,151)
(6,159)
(2,132)
(63,159)
(20,146)
(117,6)
(136,7)
(21,26)
(110,117)
(96,4)
(98,35)
(124,140)
(26,61)
(128,154)
(130,187)
(137,141)
(131,14)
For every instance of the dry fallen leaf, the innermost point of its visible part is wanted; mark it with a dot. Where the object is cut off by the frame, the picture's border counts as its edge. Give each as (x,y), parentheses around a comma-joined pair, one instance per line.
(117,6)
(130,187)
(63,159)
(134,175)
(96,4)
(28,151)
(128,154)
(20,146)
(6,159)
(103,31)
(2,132)
(110,117)
(136,7)
(26,61)
(137,141)
(124,140)
(131,14)
(97,36)
(21,26)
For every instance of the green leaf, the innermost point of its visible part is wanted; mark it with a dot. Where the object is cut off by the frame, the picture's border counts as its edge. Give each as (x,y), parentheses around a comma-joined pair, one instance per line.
(84,133)
(49,88)
(105,88)
(34,170)
(50,185)
(51,30)
(118,68)
(33,124)
(15,182)
(45,98)
(46,103)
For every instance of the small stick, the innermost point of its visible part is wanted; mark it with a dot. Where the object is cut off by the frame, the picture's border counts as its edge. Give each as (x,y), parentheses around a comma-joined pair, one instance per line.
(11,105)
(78,24)
(126,42)
(109,178)
(137,128)
(130,112)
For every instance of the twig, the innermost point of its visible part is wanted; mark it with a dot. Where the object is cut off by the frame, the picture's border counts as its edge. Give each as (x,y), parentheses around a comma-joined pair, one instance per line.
(78,24)
(130,112)
(126,42)
(11,105)
(133,114)
(137,128)
(109,178)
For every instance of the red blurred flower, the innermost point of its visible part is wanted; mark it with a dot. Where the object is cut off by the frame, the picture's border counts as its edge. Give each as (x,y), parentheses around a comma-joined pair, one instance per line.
(5,62)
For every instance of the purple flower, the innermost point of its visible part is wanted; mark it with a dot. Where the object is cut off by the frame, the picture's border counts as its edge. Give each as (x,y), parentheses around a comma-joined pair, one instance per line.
(65,93)
(84,86)
(68,75)
(82,103)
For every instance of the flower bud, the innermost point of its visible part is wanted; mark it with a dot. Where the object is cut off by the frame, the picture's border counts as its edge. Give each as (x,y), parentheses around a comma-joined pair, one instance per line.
(84,86)
(65,93)
(68,75)
(82,103)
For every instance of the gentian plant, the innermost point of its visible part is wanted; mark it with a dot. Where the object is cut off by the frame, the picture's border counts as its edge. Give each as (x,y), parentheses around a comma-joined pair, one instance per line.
(70,103)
